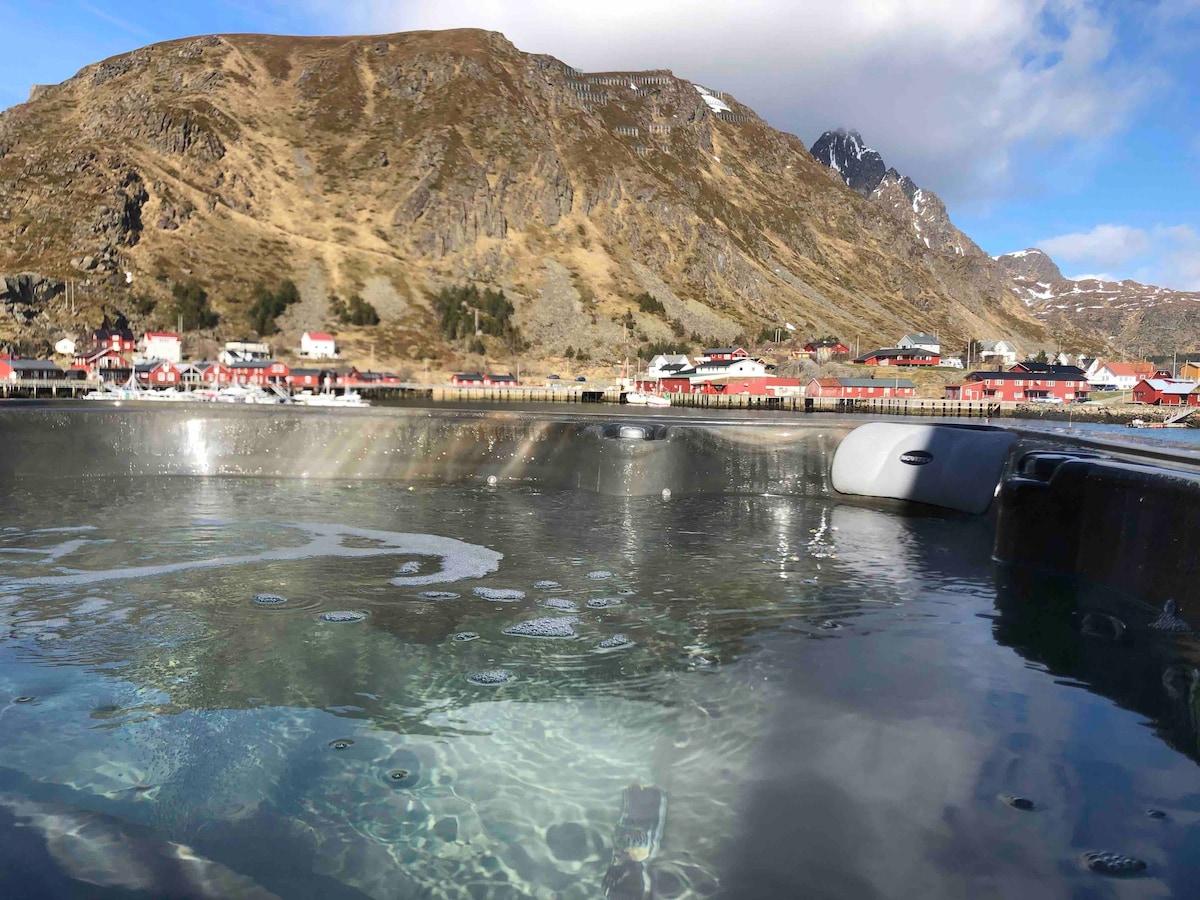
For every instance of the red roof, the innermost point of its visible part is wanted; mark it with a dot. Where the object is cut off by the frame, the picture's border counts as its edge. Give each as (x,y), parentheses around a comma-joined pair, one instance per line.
(318,336)
(162,334)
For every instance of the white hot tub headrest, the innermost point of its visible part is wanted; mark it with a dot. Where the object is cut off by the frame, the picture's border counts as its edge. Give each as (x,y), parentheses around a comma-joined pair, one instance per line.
(957,467)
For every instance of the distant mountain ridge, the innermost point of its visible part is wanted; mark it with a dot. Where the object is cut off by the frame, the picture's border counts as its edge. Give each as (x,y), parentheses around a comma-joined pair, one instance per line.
(1122,315)
(1133,317)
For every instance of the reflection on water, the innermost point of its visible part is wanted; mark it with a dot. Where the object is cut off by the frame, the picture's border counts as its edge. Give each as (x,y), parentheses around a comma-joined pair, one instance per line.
(824,697)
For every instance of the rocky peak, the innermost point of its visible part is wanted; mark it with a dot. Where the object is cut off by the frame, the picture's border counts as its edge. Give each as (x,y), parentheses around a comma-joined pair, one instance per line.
(848,154)
(1031,264)
(921,212)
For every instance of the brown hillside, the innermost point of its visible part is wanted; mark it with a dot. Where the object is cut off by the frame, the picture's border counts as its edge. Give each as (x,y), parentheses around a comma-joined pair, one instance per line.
(392,166)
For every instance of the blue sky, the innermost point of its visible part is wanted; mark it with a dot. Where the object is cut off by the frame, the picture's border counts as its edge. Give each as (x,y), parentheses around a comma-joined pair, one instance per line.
(1073,125)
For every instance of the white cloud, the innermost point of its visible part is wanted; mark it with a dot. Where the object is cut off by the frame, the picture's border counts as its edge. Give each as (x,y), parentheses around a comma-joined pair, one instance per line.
(1165,255)
(946,90)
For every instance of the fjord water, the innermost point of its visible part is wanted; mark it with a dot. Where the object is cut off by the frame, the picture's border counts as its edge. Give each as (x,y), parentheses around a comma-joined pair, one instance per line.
(836,701)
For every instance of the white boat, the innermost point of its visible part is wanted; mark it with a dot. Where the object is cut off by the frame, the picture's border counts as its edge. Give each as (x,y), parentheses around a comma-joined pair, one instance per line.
(641,398)
(348,399)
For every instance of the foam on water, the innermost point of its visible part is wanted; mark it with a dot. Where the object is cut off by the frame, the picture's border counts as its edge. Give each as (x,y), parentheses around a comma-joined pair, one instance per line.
(343,615)
(599,575)
(604,603)
(546,585)
(499,595)
(437,595)
(460,560)
(561,603)
(545,627)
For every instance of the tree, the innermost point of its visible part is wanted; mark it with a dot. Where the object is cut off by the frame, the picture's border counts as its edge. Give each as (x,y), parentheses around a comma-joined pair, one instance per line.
(268,306)
(357,312)
(191,306)
(1040,357)
(648,303)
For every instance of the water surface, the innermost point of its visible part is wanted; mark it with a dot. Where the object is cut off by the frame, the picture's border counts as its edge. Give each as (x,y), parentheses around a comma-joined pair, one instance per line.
(835,700)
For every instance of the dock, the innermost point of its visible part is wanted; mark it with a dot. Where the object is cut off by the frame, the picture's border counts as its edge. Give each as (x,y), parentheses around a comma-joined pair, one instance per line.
(571,392)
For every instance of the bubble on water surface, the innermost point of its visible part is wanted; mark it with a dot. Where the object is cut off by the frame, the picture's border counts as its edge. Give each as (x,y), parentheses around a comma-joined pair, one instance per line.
(409,568)
(463,637)
(545,627)
(341,744)
(269,599)
(1108,863)
(499,595)
(492,480)
(628,592)
(599,575)
(343,615)
(23,699)
(604,603)
(1156,814)
(615,642)
(562,604)
(437,595)
(491,677)
(546,585)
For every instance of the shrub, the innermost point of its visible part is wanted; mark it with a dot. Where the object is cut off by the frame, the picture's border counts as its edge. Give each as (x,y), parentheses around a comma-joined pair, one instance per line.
(457,308)
(648,303)
(191,306)
(268,306)
(357,312)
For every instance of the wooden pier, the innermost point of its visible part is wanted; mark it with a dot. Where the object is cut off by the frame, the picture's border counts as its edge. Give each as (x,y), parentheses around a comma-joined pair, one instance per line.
(41,388)
(570,392)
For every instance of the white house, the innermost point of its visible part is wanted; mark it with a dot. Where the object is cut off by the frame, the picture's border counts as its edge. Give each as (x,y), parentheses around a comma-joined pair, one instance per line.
(920,341)
(244,351)
(740,367)
(997,352)
(65,347)
(1119,376)
(164,345)
(666,364)
(317,345)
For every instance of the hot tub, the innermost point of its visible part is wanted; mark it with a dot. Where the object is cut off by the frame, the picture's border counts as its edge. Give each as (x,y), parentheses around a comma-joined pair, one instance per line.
(404,653)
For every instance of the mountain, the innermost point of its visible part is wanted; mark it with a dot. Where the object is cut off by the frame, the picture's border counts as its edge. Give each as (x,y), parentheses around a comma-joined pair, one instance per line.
(1124,317)
(1134,318)
(394,166)
(920,211)
(848,154)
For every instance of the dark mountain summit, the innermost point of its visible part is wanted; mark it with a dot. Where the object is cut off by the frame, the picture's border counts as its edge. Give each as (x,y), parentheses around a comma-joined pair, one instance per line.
(847,153)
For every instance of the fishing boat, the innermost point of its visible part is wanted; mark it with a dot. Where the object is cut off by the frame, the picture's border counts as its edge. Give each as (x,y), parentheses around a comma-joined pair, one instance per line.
(642,398)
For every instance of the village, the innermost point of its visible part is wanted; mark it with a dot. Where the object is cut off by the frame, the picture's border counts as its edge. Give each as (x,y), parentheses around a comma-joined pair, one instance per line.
(991,371)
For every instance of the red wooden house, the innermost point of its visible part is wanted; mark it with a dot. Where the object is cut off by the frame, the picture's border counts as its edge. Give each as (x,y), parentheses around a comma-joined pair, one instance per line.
(717,354)
(307,378)
(157,373)
(117,339)
(822,351)
(104,363)
(1166,392)
(468,379)
(899,356)
(260,372)
(17,369)
(1020,386)
(493,379)
(870,388)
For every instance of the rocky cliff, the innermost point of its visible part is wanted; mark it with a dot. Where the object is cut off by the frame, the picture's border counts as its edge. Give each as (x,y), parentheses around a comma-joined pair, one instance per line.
(1132,318)
(392,166)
